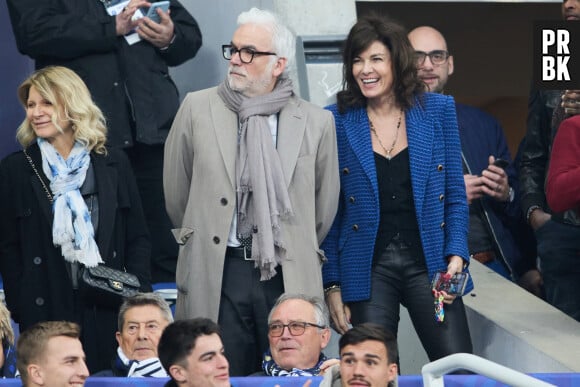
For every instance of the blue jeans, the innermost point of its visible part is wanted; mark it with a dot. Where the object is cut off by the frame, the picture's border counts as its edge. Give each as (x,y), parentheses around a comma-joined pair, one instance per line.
(559,252)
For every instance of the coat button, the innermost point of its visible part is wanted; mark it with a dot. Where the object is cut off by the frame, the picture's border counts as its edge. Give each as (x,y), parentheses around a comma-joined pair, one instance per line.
(442,224)
(27,212)
(255,229)
(37,260)
(115,84)
(441,197)
(345,171)
(39,301)
(355,227)
(216,240)
(224,201)
(351,199)
(440,167)
(115,254)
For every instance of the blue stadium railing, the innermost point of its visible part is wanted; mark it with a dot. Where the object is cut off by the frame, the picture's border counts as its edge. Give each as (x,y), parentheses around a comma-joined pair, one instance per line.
(562,380)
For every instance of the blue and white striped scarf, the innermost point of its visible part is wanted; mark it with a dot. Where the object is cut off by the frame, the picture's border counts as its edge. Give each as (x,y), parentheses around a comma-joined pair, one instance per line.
(272,369)
(72,229)
(148,368)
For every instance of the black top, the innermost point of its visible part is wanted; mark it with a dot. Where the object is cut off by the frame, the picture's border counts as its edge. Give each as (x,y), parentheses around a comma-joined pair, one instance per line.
(397,207)
(479,237)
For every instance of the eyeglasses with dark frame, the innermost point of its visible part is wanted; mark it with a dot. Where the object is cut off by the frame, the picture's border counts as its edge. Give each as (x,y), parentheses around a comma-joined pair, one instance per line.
(437,57)
(246,54)
(296,328)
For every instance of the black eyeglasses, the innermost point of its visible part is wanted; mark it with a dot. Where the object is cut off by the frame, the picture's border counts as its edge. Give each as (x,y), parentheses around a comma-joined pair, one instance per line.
(437,57)
(296,328)
(246,54)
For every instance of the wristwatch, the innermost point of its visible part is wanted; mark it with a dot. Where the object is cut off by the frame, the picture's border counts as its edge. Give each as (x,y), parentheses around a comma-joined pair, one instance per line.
(529,212)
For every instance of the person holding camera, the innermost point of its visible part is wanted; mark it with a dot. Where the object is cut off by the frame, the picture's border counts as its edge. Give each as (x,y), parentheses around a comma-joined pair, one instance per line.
(402,213)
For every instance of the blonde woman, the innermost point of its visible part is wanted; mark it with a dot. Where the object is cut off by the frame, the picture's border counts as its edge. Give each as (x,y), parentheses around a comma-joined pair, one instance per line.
(7,350)
(67,201)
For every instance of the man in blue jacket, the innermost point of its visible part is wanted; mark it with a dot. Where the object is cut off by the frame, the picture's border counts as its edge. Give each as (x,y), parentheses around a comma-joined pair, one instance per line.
(494,212)
(124,60)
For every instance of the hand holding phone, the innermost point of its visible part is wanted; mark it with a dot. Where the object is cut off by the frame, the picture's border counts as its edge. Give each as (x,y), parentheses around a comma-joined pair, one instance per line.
(501,163)
(454,286)
(152,12)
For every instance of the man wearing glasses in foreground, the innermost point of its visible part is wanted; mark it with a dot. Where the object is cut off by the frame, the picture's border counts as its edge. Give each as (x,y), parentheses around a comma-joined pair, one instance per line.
(251,184)
(298,331)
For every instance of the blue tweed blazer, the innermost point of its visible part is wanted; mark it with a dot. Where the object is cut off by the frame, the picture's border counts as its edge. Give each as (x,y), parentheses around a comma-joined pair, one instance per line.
(438,192)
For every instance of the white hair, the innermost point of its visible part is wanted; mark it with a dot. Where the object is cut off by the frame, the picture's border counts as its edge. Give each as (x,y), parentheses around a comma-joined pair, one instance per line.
(283,40)
(320,309)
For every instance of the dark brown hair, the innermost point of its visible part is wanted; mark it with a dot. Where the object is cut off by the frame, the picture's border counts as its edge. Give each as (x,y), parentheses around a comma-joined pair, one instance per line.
(374,332)
(178,340)
(367,30)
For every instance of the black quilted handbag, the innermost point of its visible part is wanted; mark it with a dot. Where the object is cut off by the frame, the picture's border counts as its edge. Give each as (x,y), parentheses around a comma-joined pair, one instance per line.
(105,286)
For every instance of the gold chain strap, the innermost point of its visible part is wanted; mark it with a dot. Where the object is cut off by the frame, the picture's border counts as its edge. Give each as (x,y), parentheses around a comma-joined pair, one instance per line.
(48,194)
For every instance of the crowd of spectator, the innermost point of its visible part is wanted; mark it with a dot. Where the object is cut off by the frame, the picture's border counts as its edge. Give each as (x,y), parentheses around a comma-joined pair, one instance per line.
(275,218)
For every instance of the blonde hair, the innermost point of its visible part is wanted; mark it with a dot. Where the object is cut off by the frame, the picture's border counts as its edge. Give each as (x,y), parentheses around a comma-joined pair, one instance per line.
(6,332)
(62,87)
(33,341)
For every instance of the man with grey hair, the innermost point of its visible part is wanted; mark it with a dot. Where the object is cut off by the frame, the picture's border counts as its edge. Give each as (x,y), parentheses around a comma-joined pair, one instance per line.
(142,319)
(298,331)
(251,185)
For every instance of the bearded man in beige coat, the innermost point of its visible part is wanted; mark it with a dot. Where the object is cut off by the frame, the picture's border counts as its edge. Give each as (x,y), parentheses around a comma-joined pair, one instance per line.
(249,159)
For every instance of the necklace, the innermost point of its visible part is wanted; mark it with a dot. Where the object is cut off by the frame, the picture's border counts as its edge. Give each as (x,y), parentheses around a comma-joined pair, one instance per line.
(387,151)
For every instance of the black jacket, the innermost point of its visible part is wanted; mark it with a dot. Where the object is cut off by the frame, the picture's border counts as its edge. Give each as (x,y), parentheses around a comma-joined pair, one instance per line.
(131,84)
(481,135)
(535,153)
(37,284)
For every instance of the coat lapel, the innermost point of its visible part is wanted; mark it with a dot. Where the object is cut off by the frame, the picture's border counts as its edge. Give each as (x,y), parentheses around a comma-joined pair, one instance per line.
(291,129)
(224,121)
(420,128)
(107,181)
(359,137)
(45,204)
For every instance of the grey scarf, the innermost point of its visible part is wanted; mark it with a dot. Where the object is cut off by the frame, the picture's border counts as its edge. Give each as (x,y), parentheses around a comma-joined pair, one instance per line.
(262,194)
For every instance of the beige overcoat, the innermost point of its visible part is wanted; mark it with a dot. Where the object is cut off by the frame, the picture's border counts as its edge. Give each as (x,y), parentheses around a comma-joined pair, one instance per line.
(199,184)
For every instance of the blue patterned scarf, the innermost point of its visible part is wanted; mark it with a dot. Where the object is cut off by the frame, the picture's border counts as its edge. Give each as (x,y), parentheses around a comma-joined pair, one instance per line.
(9,370)
(72,229)
(272,369)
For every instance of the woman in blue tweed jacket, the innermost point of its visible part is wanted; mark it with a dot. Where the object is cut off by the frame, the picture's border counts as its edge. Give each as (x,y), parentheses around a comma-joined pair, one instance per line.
(403,212)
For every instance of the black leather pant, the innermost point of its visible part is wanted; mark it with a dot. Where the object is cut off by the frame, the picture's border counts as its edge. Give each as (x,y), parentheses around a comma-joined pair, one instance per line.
(399,276)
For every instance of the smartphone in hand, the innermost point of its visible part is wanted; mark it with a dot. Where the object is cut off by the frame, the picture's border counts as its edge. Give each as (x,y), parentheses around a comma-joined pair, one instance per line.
(454,286)
(501,163)
(152,12)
